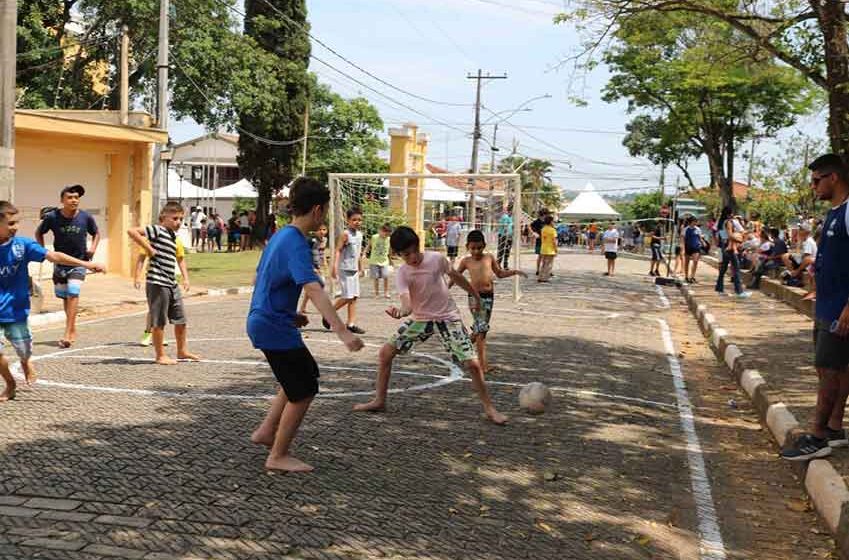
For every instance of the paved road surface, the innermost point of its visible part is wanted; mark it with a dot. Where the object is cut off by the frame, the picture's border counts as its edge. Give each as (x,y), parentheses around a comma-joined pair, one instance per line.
(112,456)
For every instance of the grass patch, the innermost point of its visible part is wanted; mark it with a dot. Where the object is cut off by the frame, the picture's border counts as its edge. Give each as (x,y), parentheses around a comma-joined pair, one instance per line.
(222,270)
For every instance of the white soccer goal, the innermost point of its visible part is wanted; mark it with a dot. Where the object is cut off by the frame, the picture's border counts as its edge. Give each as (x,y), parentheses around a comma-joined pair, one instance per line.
(423,200)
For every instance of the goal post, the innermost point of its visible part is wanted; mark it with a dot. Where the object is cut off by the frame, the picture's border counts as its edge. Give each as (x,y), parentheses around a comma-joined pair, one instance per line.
(422,200)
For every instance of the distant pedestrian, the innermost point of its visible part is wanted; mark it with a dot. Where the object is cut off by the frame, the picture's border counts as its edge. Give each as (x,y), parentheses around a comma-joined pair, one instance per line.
(733,239)
(347,267)
(656,245)
(71,228)
(452,238)
(592,234)
(548,248)
(505,238)
(195,221)
(244,231)
(378,260)
(536,231)
(233,233)
(610,240)
(693,243)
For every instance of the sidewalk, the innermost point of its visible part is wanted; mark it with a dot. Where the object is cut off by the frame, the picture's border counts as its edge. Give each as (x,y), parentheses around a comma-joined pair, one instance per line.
(768,345)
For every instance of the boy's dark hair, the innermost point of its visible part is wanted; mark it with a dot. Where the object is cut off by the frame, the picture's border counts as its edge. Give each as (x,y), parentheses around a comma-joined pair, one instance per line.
(172,207)
(475,236)
(354,212)
(830,163)
(386,227)
(548,220)
(305,194)
(691,220)
(7,209)
(403,238)
(774,232)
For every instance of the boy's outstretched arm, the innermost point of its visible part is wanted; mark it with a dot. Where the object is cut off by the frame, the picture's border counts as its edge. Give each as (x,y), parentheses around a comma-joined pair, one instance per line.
(61,258)
(461,268)
(319,298)
(138,270)
(405,309)
(466,286)
(184,271)
(505,272)
(138,236)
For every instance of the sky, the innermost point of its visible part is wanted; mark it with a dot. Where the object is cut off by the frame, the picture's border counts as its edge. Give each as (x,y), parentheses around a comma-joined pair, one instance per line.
(426,49)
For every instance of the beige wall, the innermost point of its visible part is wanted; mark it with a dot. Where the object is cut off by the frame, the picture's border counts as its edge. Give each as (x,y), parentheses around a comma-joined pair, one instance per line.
(207,149)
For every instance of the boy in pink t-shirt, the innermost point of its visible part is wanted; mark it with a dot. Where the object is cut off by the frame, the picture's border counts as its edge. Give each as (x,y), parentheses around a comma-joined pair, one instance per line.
(424,295)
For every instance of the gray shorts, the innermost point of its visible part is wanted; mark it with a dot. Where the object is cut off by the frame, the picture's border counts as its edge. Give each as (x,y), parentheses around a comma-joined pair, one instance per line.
(830,350)
(377,271)
(164,304)
(349,284)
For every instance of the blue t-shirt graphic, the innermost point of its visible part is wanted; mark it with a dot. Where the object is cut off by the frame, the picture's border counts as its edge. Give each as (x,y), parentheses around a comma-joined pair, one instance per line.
(69,234)
(692,238)
(285,267)
(15,254)
(832,265)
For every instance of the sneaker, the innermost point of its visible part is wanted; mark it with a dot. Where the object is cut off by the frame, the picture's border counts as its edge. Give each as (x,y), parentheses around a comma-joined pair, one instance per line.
(146,339)
(807,447)
(355,329)
(836,438)
(744,295)
(325,323)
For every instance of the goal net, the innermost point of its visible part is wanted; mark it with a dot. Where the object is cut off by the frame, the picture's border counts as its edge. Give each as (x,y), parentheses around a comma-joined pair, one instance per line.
(428,202)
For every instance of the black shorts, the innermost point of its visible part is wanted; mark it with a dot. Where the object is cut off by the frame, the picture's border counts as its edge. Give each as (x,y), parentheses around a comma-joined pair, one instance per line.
(830,350)
(610,255)
(656,253)
(690,251)
(452,251)
(245,230)
(296,371)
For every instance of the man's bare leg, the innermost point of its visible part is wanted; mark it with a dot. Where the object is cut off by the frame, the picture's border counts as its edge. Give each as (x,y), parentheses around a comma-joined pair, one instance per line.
(827,397)
(474,369)
(29,371)
(279,458)
(386,288)
(71,306)
(8,393)
(264,434)
(159,347)
(835,421)
(384,371)
(352,312)
(182,345)
(480,346)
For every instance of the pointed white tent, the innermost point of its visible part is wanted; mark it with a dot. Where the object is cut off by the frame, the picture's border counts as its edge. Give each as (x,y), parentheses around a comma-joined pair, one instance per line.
(588,205)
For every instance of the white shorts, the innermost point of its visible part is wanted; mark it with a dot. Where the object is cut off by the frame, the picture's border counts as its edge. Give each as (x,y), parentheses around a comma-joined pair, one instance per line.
(349,284)
(377,271)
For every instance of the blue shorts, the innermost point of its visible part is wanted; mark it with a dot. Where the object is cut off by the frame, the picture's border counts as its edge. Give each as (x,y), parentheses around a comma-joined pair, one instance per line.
(19,336)
(67,281)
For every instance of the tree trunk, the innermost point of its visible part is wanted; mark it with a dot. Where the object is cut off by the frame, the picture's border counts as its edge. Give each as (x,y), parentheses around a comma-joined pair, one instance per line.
(727,191)
(263,202)
(832,20)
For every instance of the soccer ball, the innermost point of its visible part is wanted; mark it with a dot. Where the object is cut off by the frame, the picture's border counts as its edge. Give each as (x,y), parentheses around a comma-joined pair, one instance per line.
(534,397)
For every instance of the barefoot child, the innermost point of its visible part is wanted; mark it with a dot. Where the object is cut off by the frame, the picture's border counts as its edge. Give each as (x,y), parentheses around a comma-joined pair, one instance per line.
(15,254)
(347,268)
(147,336)
(378,260)
(424,295)
(482,268)
(284,269)
(164,300)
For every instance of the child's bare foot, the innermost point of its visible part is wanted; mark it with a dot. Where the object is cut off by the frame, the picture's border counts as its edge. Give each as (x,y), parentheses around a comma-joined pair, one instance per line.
(371,406)
(262,439)
(287,463)
(496,417)
(64,343)
(29,372)
(809,296)
(489,369)
(188,356)
(166,361)
(8,394)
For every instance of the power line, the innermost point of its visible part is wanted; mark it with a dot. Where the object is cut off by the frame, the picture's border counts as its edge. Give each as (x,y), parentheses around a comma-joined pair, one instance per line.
(83,43)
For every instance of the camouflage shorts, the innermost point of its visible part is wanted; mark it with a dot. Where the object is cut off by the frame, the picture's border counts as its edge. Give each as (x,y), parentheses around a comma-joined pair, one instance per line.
(455,338)
(484,313)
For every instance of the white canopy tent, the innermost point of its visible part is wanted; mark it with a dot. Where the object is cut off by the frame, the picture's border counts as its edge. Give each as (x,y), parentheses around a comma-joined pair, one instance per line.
(588,205)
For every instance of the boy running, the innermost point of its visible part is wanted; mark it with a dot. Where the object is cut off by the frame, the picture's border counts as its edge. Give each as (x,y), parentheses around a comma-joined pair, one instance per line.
(482,268)
(15,254)
(164,300)
(318,242)
(347,268)
(378,260)
(424,295)
(285,268)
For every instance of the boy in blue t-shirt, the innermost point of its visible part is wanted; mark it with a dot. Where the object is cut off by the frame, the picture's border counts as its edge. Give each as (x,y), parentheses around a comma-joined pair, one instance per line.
(15,254)
(285,268)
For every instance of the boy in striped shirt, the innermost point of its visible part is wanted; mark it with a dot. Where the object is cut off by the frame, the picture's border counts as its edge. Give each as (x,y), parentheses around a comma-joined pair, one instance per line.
(164,300)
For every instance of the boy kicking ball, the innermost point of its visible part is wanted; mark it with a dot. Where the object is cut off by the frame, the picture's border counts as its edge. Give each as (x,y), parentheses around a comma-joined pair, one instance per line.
(424,295)
(285,268)
(482,269)
(15,254)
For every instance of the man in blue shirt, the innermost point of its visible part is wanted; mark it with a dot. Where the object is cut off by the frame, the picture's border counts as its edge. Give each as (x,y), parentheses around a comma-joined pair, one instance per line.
(505,238)
(830,181)
(15,254)
(285,268)
(71,228)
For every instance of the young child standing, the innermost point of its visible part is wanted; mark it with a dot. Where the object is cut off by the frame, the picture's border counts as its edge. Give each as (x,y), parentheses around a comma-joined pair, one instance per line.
(347,268)
(378,260)
(656,252)
(424,295)
(452,237)
(147,336)
(15,254)
(482,268)
(285,268)
(610,240)
(318,244)
(547,248)
(164,300)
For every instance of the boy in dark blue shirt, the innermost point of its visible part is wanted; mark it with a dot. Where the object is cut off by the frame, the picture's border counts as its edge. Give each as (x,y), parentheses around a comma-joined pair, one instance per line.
(15,254)
(285,268)
(830,181)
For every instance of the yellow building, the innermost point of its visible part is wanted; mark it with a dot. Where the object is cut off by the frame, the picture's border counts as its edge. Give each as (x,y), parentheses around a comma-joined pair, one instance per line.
(112,161)
(407,154)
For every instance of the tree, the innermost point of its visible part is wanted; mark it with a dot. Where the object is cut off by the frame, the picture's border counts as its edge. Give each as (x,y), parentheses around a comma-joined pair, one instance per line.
(694,94)
(344,135)
(271,130)
(535,176)
(810,37)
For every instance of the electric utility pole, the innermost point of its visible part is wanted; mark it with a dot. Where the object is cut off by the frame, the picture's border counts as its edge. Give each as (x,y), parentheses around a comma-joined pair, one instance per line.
(160,165)
(493,148)
(8,44)
(476,136)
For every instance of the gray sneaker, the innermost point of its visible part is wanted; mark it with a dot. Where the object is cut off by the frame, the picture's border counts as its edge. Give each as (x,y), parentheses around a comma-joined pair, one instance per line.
(744,295)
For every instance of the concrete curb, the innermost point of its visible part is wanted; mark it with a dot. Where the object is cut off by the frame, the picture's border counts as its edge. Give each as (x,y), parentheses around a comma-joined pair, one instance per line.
(825,487)
(53,317)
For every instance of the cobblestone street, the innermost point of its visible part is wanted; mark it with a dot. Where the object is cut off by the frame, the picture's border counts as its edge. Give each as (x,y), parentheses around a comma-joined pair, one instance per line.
(111,456)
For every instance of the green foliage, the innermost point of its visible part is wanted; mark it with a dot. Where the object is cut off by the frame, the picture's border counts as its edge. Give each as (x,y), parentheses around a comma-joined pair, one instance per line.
(375,214)
(243,204)
(535,175)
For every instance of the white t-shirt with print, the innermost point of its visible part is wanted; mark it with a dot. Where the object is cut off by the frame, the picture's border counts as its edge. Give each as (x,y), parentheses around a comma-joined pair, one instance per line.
(610,238)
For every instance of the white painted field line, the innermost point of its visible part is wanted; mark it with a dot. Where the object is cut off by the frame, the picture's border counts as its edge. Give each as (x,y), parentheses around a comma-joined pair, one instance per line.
(711,546)
(662,295)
